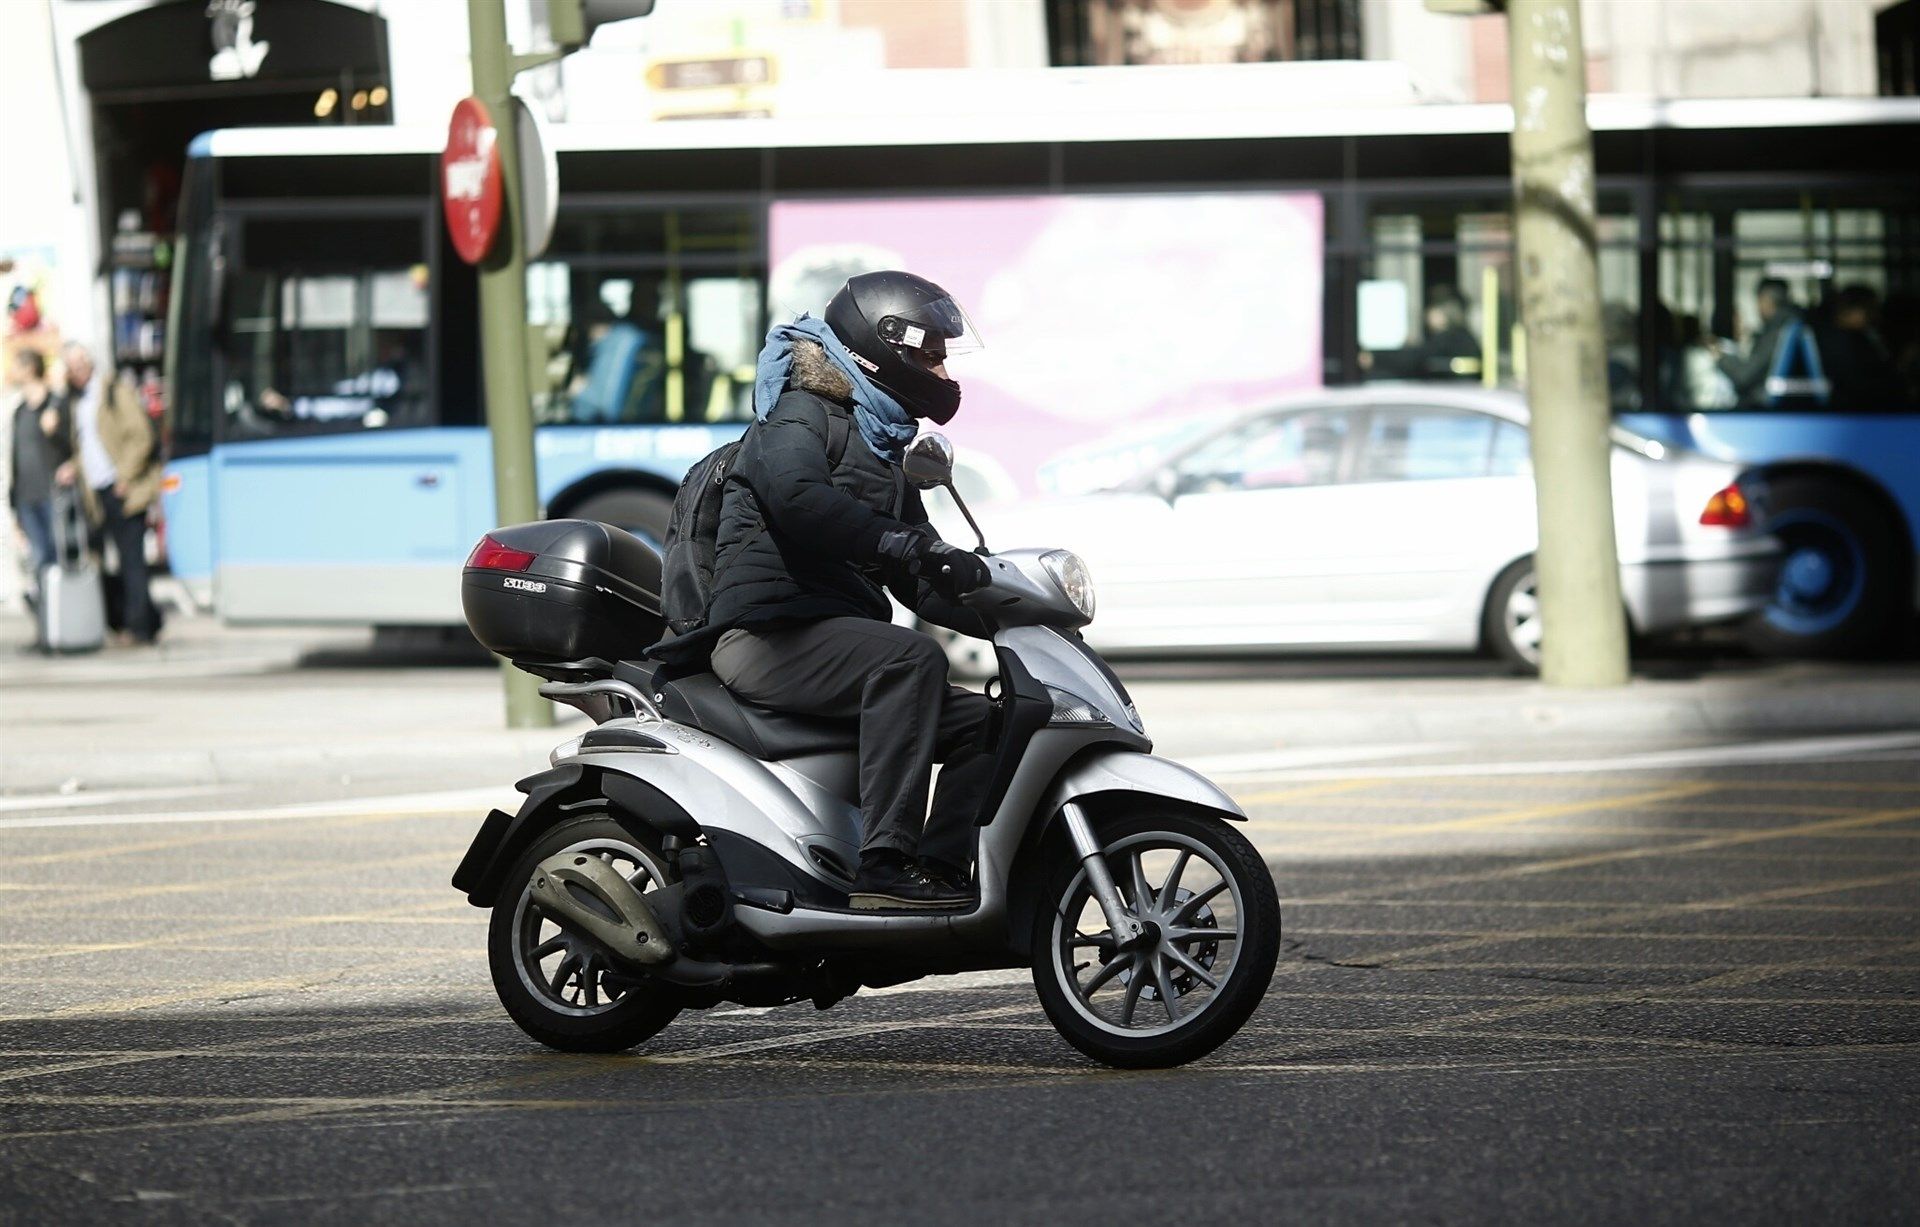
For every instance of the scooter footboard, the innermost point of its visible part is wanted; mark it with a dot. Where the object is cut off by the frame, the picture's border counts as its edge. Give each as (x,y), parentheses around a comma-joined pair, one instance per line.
(1116,771)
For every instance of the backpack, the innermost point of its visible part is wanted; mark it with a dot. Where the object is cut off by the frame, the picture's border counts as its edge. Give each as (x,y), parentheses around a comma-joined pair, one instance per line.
(693,529)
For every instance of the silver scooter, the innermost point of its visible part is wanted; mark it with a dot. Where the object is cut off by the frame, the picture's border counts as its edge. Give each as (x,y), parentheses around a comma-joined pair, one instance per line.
(692,849)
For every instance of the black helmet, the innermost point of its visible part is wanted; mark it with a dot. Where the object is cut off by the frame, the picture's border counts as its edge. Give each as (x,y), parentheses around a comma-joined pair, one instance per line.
(900,327)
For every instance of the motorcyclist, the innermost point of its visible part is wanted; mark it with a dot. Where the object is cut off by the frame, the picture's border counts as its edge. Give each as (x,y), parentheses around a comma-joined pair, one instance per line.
(807,538)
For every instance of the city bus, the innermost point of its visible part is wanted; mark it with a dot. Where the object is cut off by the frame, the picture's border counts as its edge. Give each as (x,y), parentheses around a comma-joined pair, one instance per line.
(1136,273)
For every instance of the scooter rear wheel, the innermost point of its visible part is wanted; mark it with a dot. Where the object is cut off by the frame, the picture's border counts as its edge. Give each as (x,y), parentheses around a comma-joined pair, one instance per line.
(1213,936)
(563,989)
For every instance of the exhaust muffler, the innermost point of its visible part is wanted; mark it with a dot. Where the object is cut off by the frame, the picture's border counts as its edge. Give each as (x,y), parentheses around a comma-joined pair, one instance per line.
(583,892)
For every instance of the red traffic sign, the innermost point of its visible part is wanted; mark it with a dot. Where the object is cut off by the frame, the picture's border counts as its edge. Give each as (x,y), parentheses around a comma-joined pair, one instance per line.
(470,189)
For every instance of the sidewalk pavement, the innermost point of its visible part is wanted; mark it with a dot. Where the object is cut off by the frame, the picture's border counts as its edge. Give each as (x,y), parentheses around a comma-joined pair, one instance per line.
(219,706)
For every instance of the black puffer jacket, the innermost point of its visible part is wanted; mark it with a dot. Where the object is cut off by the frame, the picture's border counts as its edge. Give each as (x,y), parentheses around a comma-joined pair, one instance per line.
(799,535)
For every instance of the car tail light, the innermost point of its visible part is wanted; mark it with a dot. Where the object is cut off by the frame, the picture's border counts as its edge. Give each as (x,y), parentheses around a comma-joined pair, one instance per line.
(490,555)
(1727,509)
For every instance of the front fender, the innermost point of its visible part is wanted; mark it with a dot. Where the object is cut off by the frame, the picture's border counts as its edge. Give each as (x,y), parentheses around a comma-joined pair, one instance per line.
(1109,771)
(1103,774)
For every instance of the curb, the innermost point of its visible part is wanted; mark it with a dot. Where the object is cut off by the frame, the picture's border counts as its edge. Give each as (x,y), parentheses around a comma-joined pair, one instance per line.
(488,757)
(1304,714)
(1542,717)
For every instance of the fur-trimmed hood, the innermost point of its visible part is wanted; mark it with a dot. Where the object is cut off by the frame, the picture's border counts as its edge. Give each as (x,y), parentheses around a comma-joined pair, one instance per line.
(814,372)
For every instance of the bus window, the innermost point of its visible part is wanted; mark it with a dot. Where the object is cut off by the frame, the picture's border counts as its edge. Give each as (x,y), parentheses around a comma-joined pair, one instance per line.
(1803,302)
(646,318)
(1435,286)
(324,328)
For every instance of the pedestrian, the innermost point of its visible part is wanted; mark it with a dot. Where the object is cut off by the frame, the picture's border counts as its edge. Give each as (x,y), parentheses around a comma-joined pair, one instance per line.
(1856,356)
(1700,381)
(809,532)
(1450,350)
(1761,376)
(116,465)
(40,446)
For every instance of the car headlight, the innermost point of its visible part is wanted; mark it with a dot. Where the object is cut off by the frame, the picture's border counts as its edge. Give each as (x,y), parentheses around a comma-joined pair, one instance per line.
(1072,576)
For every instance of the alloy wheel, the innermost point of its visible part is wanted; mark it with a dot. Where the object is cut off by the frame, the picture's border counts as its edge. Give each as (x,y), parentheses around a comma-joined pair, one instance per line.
(1190,903)
(568,973)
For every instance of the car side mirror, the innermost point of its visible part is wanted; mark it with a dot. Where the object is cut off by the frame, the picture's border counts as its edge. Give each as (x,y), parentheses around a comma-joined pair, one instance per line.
(929,461)
(1166,484)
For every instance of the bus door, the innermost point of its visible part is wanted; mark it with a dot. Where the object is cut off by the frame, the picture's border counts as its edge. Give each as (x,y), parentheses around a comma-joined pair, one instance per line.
(337,498)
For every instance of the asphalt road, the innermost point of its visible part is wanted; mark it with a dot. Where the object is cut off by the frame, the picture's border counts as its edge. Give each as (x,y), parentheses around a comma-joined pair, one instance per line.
(1636,982)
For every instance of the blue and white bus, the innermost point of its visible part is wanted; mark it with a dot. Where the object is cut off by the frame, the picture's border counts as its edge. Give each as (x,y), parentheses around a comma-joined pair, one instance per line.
(329,460)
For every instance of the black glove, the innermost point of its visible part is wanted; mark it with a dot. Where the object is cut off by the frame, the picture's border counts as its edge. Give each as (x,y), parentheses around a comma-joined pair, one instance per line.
(947,569)
(953,572)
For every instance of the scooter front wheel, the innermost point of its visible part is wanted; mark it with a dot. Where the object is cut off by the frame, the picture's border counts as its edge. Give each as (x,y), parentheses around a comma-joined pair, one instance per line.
(1212,920)
(560,987)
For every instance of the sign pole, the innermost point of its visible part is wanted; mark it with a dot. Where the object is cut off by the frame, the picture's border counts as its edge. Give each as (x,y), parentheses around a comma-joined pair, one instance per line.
(1585,643)
(503,325)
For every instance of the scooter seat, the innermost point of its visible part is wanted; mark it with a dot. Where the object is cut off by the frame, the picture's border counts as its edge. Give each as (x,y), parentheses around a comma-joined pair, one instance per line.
(701,701)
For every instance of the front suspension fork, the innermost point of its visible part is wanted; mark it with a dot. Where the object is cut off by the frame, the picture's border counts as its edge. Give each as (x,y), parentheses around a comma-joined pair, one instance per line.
(1126,927)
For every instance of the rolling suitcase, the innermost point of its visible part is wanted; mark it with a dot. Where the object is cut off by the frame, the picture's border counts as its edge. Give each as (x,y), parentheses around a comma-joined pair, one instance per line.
(73,608)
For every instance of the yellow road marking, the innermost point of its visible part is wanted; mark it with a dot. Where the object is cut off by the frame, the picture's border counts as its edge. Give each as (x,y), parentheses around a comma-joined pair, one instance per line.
(1301,793)
(1638,852)
(1594,926)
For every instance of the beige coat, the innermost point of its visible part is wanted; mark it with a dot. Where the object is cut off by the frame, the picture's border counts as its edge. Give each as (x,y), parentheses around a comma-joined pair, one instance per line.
(128,434)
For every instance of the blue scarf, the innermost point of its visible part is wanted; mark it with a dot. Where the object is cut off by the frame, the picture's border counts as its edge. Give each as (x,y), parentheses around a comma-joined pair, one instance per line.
(885,426)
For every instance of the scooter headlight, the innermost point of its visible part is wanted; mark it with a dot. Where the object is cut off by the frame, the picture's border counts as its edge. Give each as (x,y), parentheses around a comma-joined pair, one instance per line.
(1072,709)
(1072,576)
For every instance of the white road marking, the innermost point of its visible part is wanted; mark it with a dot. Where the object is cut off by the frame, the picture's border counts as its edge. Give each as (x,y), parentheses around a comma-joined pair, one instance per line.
(1270,765)
(472,800)
(1803,749)
(1264,762)
(112,797)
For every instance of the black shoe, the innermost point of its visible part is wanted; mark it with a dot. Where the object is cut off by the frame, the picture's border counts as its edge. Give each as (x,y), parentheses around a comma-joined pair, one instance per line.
(897,885)
(952,877)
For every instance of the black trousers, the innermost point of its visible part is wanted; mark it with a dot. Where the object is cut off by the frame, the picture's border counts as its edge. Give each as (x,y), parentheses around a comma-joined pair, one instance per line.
(134,606)
(894,680)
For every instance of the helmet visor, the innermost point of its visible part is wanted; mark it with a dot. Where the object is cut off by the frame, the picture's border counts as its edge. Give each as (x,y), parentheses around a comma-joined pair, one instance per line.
(933,331)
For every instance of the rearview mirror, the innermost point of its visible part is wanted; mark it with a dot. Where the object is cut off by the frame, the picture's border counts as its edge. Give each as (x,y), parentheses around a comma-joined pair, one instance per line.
(929,461)
(928,464)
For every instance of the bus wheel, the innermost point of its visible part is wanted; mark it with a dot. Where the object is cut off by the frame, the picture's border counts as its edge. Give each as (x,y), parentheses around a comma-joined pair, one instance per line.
(1840,573)
(640,511)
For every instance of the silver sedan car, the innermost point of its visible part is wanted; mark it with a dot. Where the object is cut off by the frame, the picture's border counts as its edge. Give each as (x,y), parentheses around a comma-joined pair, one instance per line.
(1389,517)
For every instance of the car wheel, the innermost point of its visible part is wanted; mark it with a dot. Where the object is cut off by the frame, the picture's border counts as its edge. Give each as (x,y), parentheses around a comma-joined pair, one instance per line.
(1841,574)
(644,513)
(1510,624)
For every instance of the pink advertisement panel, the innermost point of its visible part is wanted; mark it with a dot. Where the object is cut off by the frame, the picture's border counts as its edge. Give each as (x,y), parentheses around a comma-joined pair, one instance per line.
(1115,326)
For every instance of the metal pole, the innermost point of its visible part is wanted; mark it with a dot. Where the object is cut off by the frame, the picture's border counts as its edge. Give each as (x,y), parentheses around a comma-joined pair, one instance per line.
(1585,642)
(503,326)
